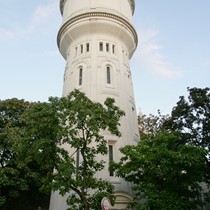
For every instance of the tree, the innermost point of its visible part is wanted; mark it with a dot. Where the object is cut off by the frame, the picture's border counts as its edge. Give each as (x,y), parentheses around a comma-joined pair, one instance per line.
(11,171)
(39,143)
(162,166)
(82,122)
(151,124)
(28,138)
(165,173)
(192,117)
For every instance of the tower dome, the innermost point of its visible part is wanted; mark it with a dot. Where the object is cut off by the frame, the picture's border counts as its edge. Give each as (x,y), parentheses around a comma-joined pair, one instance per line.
(97,39)
(62,2)
(114,18)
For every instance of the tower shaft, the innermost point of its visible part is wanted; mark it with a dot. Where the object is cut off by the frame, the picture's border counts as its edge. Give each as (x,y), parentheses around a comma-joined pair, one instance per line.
(97,39)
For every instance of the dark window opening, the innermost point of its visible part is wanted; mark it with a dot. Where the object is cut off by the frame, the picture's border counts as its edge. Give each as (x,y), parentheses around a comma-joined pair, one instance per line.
(108,75)
(87,47)
(107,47)
(111,158)
(80,76)
(101,46)
(113,48)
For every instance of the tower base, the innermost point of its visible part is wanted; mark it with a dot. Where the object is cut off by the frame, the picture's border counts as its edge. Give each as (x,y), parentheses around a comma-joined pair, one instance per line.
(58,202)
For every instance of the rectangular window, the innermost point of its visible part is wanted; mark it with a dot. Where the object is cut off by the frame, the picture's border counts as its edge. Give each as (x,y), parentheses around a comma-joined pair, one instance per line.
(81,48)
(80,76)
(107,47)
(108,75)
(111,158)
(113,48)
(101,46)
(87,47)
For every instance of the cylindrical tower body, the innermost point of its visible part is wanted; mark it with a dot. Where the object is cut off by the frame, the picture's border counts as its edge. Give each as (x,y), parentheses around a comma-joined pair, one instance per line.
(97,40)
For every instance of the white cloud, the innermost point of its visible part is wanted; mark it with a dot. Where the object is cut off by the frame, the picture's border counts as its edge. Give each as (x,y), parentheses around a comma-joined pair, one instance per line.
(149,52)
(44,18)
(6,34)
(44,13)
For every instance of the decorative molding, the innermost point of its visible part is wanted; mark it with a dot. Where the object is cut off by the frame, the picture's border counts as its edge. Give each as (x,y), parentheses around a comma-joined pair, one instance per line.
(91,15)
(123,195)
(109,92)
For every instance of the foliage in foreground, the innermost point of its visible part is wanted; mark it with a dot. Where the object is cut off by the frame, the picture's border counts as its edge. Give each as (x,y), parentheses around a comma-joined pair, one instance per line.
(33,142)
(171,161)
(22,169)
(82,121)
(31,135)
(191,117)
(164,172)
(12,172)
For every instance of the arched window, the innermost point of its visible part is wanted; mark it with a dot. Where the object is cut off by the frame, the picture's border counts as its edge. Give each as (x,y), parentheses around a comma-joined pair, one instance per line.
(80,75)
(108,75)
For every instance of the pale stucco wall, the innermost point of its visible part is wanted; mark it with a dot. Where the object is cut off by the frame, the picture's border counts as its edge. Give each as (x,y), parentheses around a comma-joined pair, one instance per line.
(85,22)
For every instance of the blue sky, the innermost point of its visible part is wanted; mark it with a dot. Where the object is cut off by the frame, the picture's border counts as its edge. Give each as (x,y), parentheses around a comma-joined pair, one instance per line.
(173,51)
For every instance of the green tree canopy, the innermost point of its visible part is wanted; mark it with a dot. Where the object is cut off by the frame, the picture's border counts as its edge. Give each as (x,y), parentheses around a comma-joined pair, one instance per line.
(82,122)
(28,137)
(191,117)
(171,162)
(165,173)
(151,124)
(12,179)
(33,138)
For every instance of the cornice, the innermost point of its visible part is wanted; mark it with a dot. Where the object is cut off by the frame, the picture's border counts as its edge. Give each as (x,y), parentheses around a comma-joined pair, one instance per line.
(62,3)
(89,15)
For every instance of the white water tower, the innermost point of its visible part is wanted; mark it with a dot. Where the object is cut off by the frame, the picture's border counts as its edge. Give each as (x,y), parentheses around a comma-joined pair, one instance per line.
(97,39)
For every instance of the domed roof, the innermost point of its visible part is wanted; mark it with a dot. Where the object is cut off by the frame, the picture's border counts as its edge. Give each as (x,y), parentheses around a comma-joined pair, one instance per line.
(62,2)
